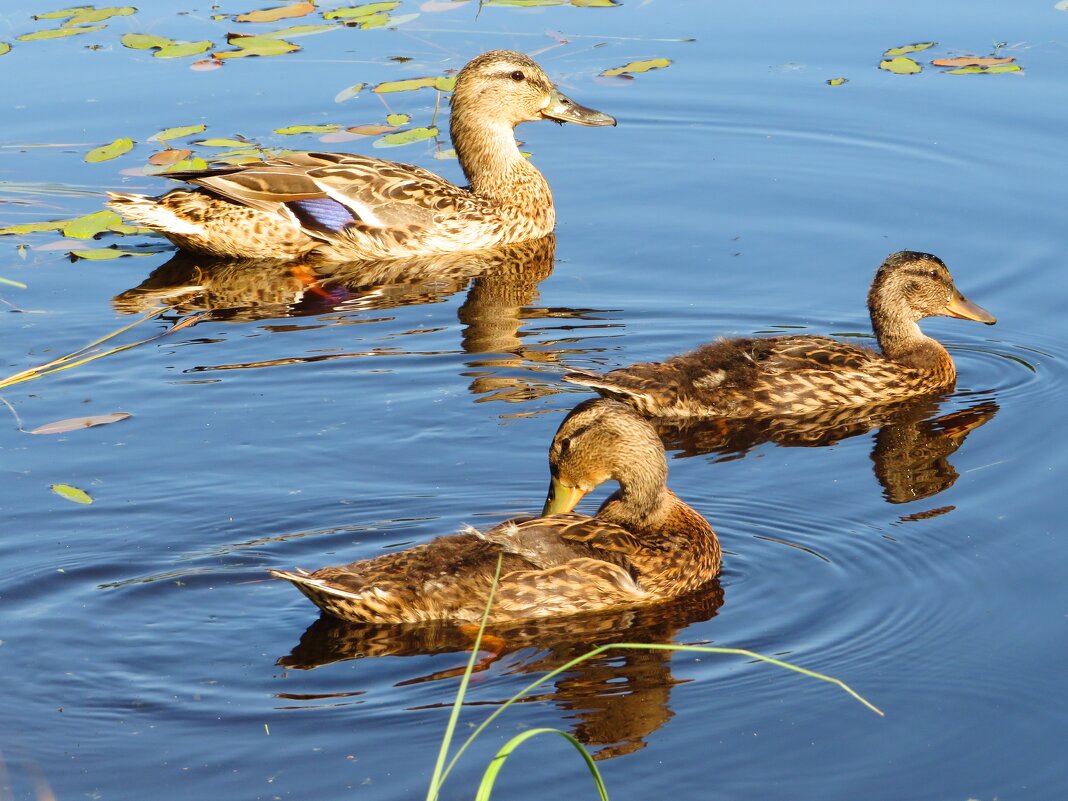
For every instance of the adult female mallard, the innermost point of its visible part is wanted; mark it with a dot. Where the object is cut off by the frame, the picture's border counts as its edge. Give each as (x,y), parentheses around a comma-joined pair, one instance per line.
(756,377)
(343,207)
(643,545)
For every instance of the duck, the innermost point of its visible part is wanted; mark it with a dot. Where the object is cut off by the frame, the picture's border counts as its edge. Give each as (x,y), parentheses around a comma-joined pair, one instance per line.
(344,207)
(643,545)
(802,374)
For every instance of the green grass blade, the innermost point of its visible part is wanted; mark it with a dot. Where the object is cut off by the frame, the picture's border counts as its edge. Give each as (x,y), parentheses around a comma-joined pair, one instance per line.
(485,787)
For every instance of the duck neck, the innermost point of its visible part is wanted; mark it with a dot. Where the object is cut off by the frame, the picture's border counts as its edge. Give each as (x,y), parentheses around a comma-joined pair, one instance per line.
(493,165)
(900,337)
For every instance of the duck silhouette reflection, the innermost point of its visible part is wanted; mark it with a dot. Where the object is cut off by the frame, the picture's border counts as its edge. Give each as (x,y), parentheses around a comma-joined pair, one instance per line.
(615,700)
(910,453)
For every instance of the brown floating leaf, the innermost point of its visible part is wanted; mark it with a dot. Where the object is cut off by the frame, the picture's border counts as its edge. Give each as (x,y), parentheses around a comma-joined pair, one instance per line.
(371,129)
(275,14)
(970,61)
(206,65)
(167,157)
(76,423)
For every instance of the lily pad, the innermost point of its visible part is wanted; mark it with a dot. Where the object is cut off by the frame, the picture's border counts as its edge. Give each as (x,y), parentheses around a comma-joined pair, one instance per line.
(406,137)
(277,13)
(178,132)
(355,12)
(56,33)
(373,21)
(348,94)
(256,46)
(372,129)
(187,165)
(183,49)
(299,30)
(595,3)
(88,14)
(293,130)
(900,66)
(971,61)
(110,151)
(442,84)
(167,157)
(103,254)
(72,493)
(206,65)
(77,423)
(33,227)
(144,41)
(398,119)
(638,66)
(91,225)
(837,81)
(221,143)
(992,70)
(909,48)
(4,48)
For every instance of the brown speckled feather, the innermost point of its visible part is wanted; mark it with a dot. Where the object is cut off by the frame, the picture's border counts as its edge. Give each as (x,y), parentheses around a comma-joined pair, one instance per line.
(801,374)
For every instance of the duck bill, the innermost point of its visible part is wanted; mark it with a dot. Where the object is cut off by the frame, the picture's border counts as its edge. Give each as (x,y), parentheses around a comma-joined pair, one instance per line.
(959,306)
(562,498)
(563,109)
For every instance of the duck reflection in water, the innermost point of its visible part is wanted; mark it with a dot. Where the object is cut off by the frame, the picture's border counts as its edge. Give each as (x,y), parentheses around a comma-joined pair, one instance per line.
(910,452)
(616,699)
(502,288)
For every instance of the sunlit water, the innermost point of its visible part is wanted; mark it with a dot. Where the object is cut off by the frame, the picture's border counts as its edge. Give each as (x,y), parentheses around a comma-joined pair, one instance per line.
(921,561)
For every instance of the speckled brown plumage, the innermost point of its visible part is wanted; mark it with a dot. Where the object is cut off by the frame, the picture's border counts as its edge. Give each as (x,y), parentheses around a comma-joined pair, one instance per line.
(644,544)
(387,209)
(801,374)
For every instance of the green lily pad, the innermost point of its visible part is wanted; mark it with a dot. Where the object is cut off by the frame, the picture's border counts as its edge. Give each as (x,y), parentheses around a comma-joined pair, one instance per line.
(277,13)
(638,66)
(33,227)
(257,46)
(90,15)
(56,33)
(72,493)
(144,41)
(187,165)
(595,3)
(900,66)
(61,13)
(398,119)
(991,70)
(355,12)
(110,151)
(442,84)
(221,143)
(293,130)
(103,254)
(182,49)
(178,132)
(837,81)
(406,137)
(348,94)
(909,48)
(298,30)
(4,48)
(91,225)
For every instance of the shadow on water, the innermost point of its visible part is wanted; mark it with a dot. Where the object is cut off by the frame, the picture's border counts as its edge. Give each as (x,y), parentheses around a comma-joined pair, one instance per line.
(616,700)
(910,454)
(502,286)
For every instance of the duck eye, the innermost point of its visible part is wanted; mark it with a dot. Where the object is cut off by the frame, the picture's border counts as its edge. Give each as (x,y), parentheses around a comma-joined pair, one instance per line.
(517,75)
(565,446)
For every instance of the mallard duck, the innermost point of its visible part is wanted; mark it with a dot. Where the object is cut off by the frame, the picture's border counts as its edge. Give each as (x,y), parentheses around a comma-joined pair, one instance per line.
(753,377)
(643,545)
(344,207)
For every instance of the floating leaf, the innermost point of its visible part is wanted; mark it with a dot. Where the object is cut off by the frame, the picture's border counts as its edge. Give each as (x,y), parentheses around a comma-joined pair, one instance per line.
(277,13)
(355,12)
(406,137)
(177,132)
(91,225)
(56,33)
(221,143)
(373,21)
(8,281)
(971,61)
(445,83)
(72,493)
(397,19)
(292,130)
(256,46)
(837,81)
(348,94)
(167,157)
(900,66)
(298,30)
(595,3)
(76,423)
(103,254)
(144,41)
(183,49)
(206,65)
(236,160)
(371,129)
(909,48)
(406,85)
(4,48)
(993,70)
(639,66)
(242,151)
(89,14)
(186,165)
(398,119)
(33,227)
(61,13)
(110,151)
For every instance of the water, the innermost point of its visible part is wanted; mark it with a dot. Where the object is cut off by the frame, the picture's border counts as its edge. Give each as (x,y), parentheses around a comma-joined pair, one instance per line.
(918,561)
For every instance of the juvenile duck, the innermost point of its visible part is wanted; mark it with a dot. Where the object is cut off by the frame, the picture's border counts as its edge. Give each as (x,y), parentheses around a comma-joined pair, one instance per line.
(753,377)
(643,545)
(343,207)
